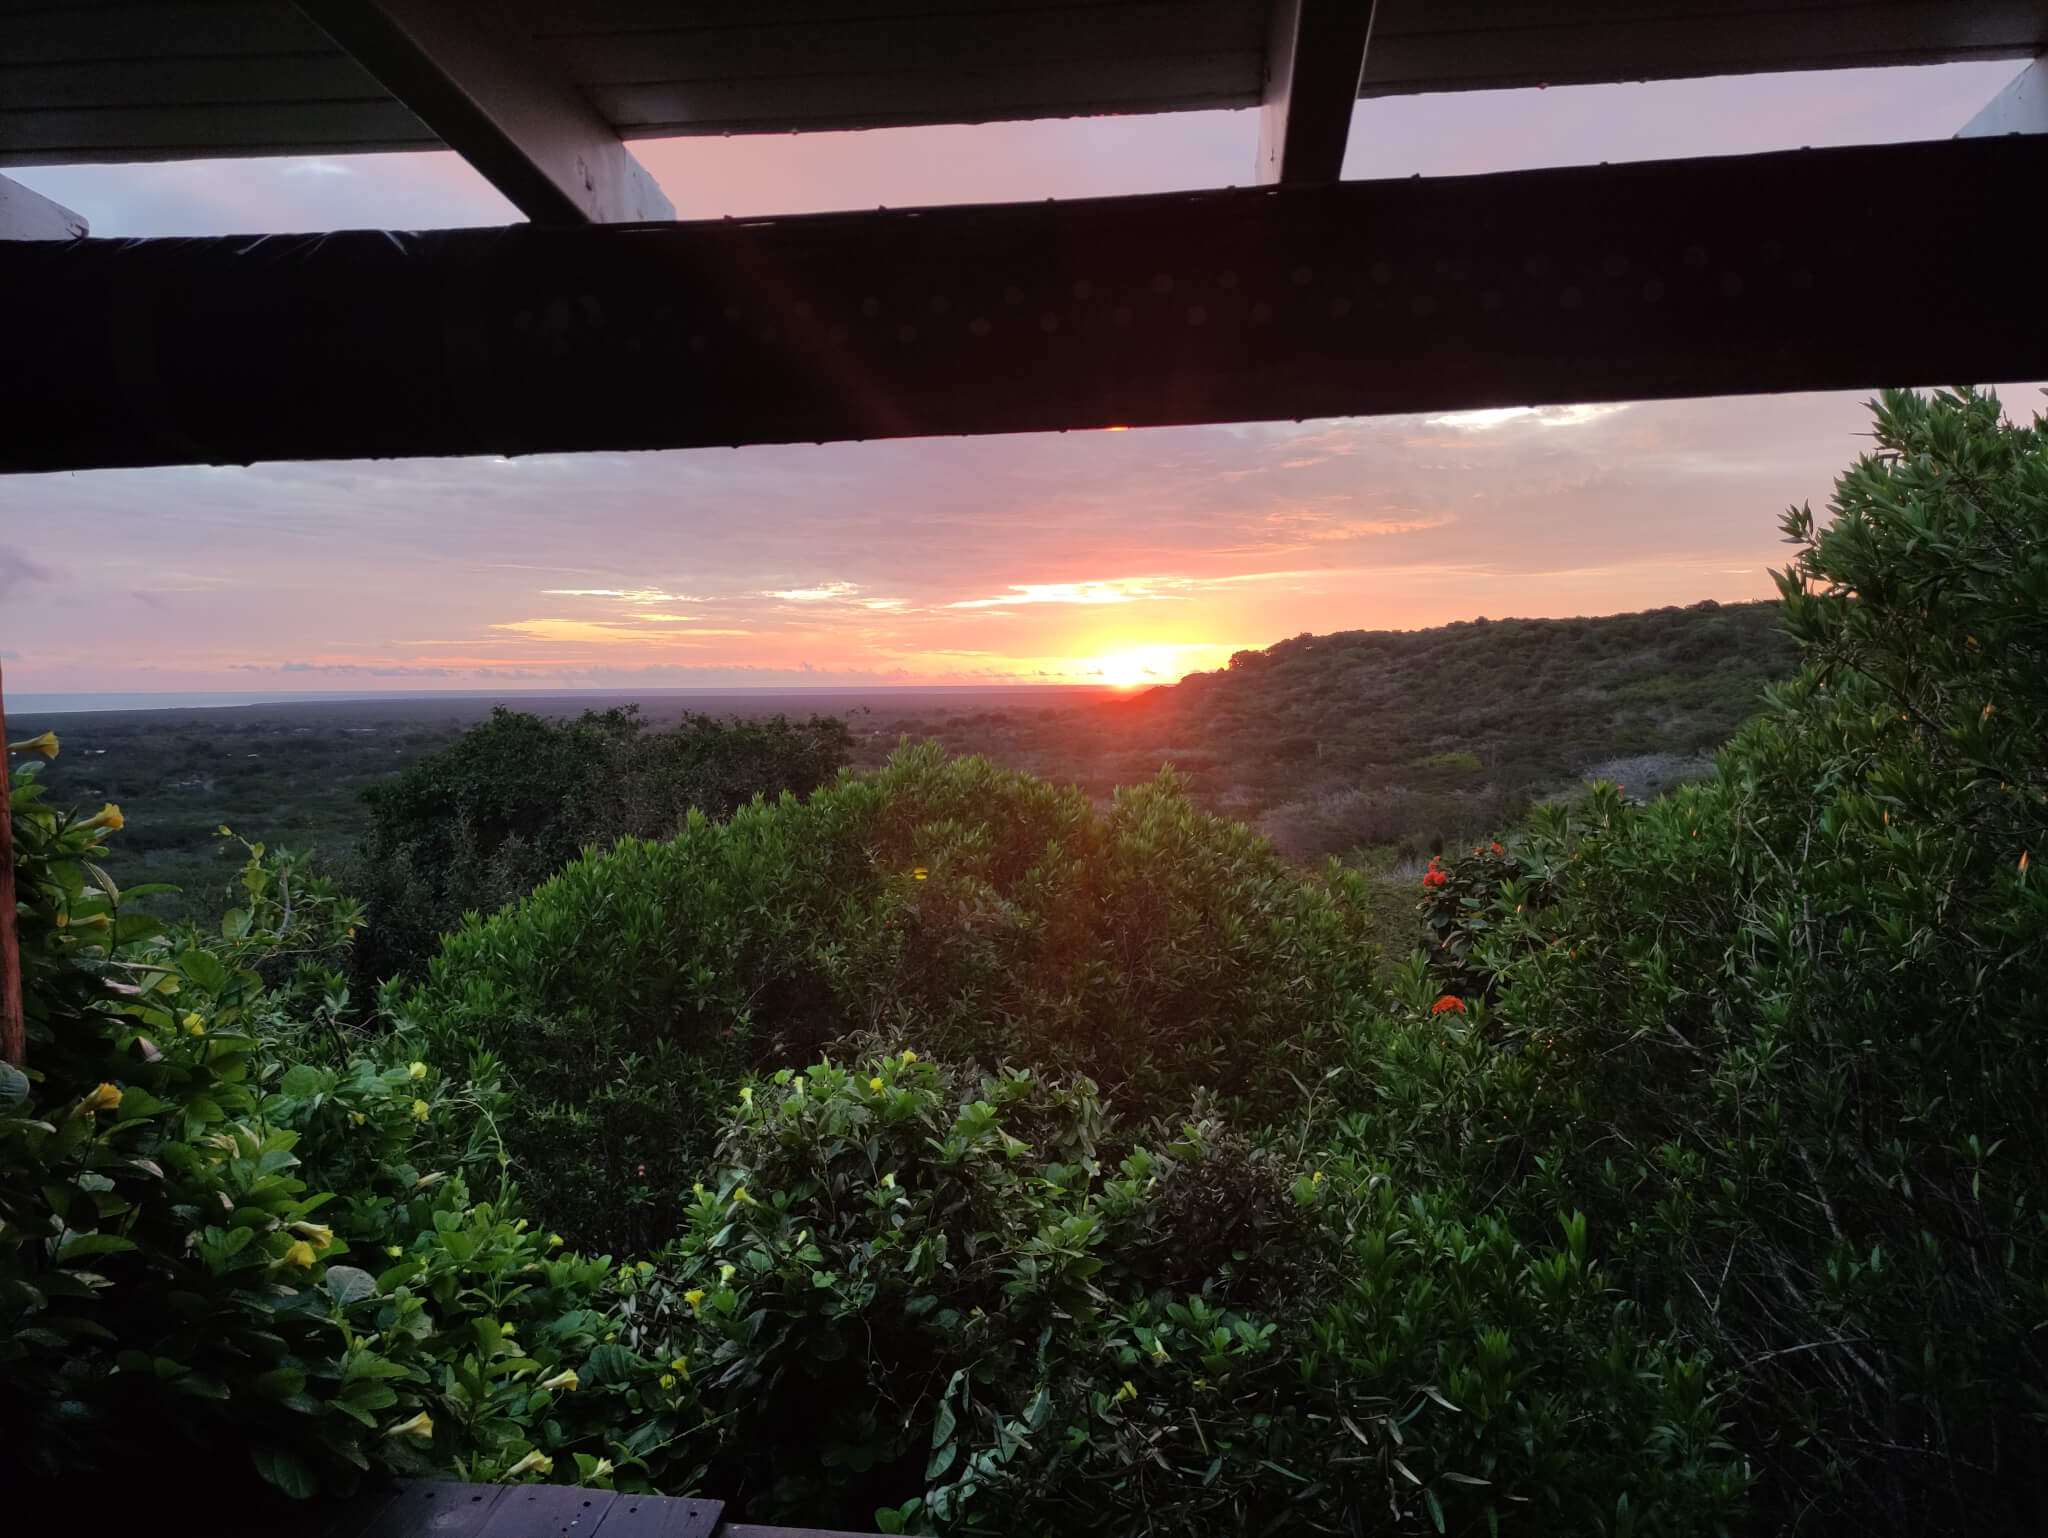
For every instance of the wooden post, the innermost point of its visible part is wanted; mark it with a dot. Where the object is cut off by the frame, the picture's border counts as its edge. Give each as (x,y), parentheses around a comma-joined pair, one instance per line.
(13,1026)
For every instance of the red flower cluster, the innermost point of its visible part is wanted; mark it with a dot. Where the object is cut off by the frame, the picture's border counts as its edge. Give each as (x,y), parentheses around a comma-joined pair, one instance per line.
(1436,876)
(1449,1004)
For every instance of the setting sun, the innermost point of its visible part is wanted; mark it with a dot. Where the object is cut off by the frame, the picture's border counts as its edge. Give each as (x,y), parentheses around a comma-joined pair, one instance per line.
(1143,666)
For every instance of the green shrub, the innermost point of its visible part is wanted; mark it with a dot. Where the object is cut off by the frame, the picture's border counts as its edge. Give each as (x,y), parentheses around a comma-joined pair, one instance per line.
(1788,1024)
(483,821)
(978,1304)
(981,914)
(223,1241)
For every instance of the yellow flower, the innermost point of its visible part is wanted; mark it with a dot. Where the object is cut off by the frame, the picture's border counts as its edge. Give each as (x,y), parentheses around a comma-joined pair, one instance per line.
(1128,1391)
(682,1365)
(909,1057)
(889,1181)
(554,1241)
(875,1084)
(319,1234)
(108,817)
(746,1094)
(667,1380)
(1316,1179)
(45,745)
(415,1070)
(697,1189)
(695,1298)
(194,1026)
(537,1462)
(507,1329)
(739,1194)
(300,1254)
(105,1098)
(420,1428)
(602,1469)
(725,1274)
(1159,1351)
(920,872)
(356,1118)
(394,1250)
(565,1380)
(421,1110)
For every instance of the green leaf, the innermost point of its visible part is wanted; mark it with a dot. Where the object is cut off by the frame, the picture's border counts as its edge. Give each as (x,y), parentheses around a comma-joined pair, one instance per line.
(13,1088)
(304,1082)
(286,1471)
(78,1246)
(347,1284)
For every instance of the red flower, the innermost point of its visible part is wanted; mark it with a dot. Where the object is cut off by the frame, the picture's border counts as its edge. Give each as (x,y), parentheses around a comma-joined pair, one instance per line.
(1498,850)
(1435,878)
(1449,1004)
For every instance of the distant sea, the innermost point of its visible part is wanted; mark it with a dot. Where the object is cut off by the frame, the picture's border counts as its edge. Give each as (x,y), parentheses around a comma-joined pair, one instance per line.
(68,704)
(72,704)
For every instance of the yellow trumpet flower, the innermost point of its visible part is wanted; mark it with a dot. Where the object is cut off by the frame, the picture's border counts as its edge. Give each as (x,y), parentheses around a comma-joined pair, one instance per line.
(45,745)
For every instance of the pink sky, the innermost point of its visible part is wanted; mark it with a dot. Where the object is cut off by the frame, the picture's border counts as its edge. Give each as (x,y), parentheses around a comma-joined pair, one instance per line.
(1074,557)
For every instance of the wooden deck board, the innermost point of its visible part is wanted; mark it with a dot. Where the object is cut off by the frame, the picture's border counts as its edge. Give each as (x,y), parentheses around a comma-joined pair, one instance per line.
(441,1509)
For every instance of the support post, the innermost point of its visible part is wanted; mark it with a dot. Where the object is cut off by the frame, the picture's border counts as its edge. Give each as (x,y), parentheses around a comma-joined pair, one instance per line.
(499,105)
(1313,65)
(13,1025)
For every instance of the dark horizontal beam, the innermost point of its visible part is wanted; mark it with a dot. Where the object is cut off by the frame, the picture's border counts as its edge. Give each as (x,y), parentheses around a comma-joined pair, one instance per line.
(1810,270)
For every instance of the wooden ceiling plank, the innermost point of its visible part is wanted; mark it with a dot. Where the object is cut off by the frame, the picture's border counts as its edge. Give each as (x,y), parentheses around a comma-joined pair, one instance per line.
(1313,66)
(496,102)
(1157,33)
(73,136)
(811,103)
(1418,49)
(72,34)
(1752,273)
(220,79)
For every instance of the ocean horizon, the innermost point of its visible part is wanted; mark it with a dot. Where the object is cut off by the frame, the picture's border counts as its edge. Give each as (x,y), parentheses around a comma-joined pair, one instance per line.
(26,704)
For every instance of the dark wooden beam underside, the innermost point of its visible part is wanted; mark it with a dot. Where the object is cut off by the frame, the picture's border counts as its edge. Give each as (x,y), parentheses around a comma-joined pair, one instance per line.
(1819,269)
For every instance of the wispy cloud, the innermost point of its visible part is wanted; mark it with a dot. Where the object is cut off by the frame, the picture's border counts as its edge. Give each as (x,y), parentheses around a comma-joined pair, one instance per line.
(824,592)
(1117,590)
(16,568)
(1540,416)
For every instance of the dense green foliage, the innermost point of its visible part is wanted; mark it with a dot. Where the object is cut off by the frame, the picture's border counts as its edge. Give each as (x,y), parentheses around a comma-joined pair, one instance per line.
(225,1230)
(483,821)
(1790,1022)
(980,913)
(991,1161)
(295,772)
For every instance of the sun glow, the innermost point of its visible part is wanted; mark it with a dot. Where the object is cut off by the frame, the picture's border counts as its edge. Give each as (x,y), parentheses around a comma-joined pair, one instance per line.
(1143,666)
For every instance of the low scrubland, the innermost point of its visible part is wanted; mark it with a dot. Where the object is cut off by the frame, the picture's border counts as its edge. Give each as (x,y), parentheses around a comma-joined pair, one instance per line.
(947,1151)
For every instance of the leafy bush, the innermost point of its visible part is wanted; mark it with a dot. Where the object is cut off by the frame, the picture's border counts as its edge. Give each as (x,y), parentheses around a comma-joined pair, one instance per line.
(978,1304)
(984,915)
(1788,1023)
(482,822)
(218,1235)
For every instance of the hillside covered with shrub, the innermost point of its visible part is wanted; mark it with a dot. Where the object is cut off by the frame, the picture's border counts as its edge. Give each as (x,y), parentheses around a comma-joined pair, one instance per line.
(974,1157)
